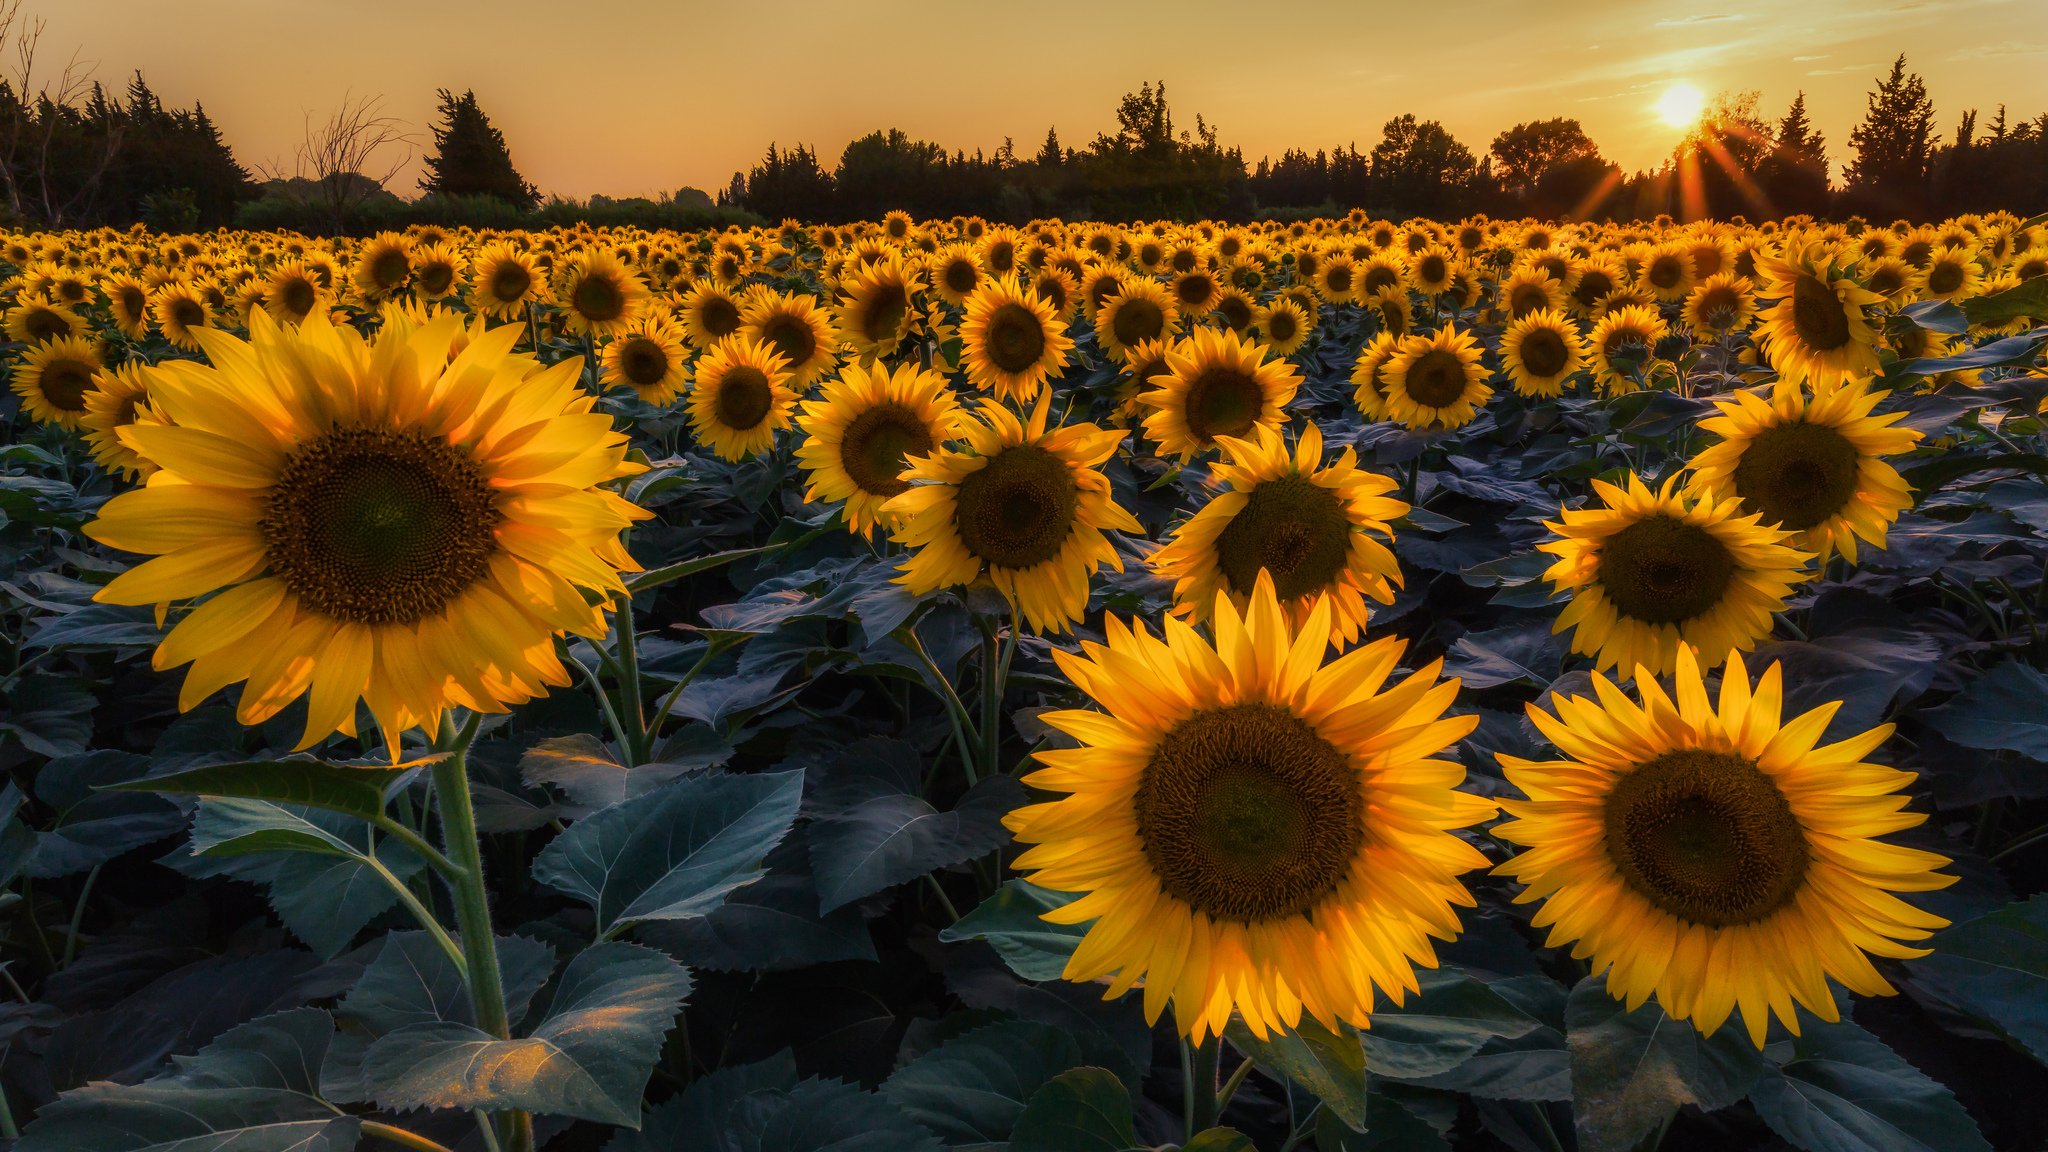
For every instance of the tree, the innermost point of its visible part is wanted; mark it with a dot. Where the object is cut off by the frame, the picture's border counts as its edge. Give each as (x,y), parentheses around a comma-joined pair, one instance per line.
(788,184)
(1522,154)
(344,161)
(1715,164)
(1794,177)
(1050,155)
(889,170)
(1894,146)
(470,157)
(1419,168)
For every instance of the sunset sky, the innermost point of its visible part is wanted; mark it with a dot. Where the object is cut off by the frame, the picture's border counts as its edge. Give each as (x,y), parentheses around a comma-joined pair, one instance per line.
(633,97)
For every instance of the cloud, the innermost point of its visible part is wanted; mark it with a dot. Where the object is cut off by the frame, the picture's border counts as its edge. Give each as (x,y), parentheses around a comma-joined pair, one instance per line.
(1996,51)
(1690,21)
(1806,59)
(1843,70)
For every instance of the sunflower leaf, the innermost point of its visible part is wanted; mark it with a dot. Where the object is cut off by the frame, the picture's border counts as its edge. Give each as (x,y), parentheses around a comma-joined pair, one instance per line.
(1995,968)
(1013,923)
(2000,710)
(1633,1070)
(1845,1091)
(1082,1110)
(1329,1064)
(358,791)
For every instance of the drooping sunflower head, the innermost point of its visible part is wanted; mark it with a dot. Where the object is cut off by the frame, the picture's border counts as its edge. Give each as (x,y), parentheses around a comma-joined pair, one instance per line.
(128,301)
(1435,380)
(381,523)
(1820,329)
(1541,351)
(876,310)
(1021,503)
(1721,304)
(599,295)
(1014,341)
(864,429)
(740,398)
(1811,465)
(1653,571)
(649,358)
(1246,813)
(795,326)
(1716,857)
(1143,311)
(1216,384)
(55,378)
(1311,528)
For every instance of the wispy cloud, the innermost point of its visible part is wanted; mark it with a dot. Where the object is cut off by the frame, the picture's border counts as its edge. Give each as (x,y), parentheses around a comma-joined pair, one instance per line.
(1998,51)
(1691,21)
(1806,59)
(1842,71)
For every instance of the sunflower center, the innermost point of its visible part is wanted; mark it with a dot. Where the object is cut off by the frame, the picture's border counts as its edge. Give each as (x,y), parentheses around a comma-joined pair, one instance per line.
(643,361)
(131,300)
(1380,276)
(1666,271)
(1720,306)
(45,325)
(877,444)
(187,313)
(597,298)
(1886,279)
(436,277)
(389,268)
(1528,298)
(1593,284)
(1817,315)
(1138,320)
(1543,353)
(1664,571)
(1436,379)
(1018,509)
(1291,527)
(1016,339)
(791,337)
(1195,291)
(298,296)
(1945,278)
(1223,401)
(1797,475)
(377,526)
(1707,837)
(1236,312)
(1248,815)
(744,397)
(65,383)
(961,276)
(885,312)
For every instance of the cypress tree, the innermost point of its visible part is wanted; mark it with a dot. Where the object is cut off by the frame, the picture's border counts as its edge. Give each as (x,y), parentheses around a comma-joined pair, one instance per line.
(470,157)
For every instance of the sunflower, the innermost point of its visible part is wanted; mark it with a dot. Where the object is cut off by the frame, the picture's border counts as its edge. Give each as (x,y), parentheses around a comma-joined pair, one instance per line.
(740,398)
(865,427)
(599,295)
(955,272)
(506,281)
(1367,375)
(1024,504)
(1013,341)
(876,312)
(1951,274)
(1812,466)
(1717,858)
(1820,329)
(1667,272)
(1600,274)
(1627,333)
(1541,351)
(39,321)
(709,314)
(1432,270)
(1146,361)
(128,301)
(1285,515)
(383,265)
(796,327)
(649,358)
(1722,303)
(1435,381)
(1530,290)
(1253,827)
(181,310)
(1656,571)
(292,292)
(119,397)
(55,377)
(437,271)
(371,521)
(1336,280)
(1196,292)
(1215,384)
(1143,311)
(1379,272)
(1283,326)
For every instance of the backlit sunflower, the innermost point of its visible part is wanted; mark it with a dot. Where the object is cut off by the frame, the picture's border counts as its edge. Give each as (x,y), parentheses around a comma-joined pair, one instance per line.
(1654,571)
(119,397)
(1023,504)
(796,327)
(292,292)
(708,314)
(38,321)
(1196,291)
(954,272)
(1951,274)
(128,301)
(1284,515)
(1530,290)
(1599,275)
(1215,384)
(1541,351)
(180,311)
(1283,326)
(371,521)
(1625,334)
(1367,375)
(506,281)
(1820,329)
(875,310)
(740,398)
(1812,466)
(599,295)
(649,358)
(1142,312)
(55,377)
(1717,858)
(1435,381)
(1336,280)
(1721,304)
(1013,340)
(383,265)
(1254,828)
(864,428)
(1146,361)
(1667,272)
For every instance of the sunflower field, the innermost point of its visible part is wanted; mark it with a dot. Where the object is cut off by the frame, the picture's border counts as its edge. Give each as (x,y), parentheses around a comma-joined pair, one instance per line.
(1334,685)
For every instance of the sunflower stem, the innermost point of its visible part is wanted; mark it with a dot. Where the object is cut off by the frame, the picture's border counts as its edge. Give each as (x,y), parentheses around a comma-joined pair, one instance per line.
(78,917)
(472,902)
(1230,1087)
(632,708)
(668,703)
(1202,1097)
(963,720)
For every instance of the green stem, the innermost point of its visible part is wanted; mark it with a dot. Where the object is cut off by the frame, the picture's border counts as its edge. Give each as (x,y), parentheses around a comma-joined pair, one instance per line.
(472,903)
(1230,1087)
(963,720)
(711,651)
(604,701)
(1201,1088)
(78,917)
(940,890)
(420,911)
(8,1127)
(398,831)
(633,710)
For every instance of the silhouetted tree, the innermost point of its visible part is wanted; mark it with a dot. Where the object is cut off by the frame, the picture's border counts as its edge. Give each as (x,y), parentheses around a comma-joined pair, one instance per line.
(470,157)
(1419,168)
(1794,176)
(1715,164)
(1894,146)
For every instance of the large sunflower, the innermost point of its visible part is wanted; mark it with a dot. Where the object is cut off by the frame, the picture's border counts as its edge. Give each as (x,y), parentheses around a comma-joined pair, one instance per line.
(1287,516)
(1820,331)
(796,327)
(1541,351)
(1253,828)
(649,358)
(1717,858)
(1024,504)
(1143,311)
(1435,381)
(709,314)
(38,321)
(1812,466)
(599,295)
(1216,384)
(1014,341)
(371,521)
(55,377)
(876,310)
(1653,572)
(740,398)
(864,428)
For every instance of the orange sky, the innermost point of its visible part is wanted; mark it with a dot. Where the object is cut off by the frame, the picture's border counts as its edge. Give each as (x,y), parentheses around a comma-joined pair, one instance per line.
(633,97)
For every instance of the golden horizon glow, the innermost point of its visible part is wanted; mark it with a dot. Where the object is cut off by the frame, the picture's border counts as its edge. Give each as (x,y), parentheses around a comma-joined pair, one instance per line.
(1681,105)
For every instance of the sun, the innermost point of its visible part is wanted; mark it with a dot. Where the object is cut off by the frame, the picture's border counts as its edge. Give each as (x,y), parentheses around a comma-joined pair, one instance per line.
(1681,104)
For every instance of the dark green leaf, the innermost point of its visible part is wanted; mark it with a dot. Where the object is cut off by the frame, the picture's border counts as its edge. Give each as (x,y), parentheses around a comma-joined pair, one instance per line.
(696,1117)
(1389,1126)
(2027,300)
(770,925)
(1845,1091)
(1220,1140)
(1995,968)
(972,1088)
(1632,1070)
(1435,1031)
(1082,1110)
(870,830)
(358,791)
(51,716)
(2000,710)
(1011,921)
(582,767)
(1329,1064)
